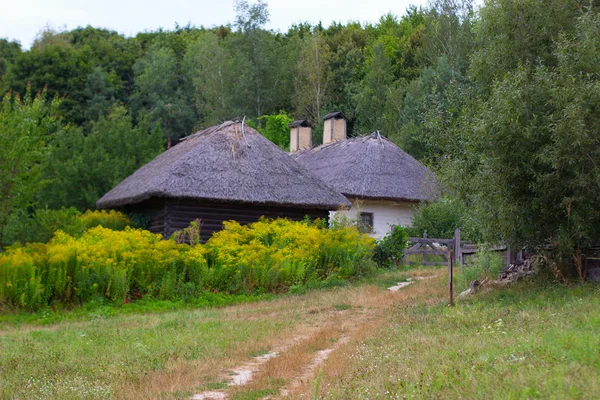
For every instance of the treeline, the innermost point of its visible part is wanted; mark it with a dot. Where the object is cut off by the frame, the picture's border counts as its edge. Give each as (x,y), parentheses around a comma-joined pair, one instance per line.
(126,98)
(501,100)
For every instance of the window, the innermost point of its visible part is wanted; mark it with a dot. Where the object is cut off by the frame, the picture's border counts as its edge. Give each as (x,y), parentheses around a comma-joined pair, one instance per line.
(365,222)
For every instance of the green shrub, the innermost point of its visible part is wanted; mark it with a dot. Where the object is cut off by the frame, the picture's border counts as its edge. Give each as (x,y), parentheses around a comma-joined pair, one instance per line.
(441,218)
(40,225)
(391,248)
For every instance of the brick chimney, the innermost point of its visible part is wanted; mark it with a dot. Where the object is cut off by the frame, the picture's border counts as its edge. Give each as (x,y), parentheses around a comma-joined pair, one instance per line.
(300,135)
(334,127)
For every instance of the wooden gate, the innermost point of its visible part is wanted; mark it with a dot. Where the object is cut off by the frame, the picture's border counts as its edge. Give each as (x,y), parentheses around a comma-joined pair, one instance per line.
(428,246)
(441,247)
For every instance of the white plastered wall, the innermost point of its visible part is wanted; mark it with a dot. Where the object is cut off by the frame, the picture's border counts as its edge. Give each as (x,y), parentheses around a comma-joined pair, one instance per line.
(385,214)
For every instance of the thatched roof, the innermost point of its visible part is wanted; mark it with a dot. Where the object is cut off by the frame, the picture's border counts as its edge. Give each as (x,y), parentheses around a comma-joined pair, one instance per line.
(335,114)
(369,167)
(223,164)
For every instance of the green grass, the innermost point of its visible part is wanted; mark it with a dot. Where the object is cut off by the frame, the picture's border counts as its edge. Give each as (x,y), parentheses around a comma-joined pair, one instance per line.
(529,341)
(86,360)
(101,309)
(342,306)
(254,394)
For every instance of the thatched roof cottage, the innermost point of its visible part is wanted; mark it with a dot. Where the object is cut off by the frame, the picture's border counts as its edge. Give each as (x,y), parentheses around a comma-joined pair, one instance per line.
(383,182)
(225,172)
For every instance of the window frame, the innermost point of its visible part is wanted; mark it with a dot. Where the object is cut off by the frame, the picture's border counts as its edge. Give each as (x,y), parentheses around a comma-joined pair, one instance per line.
(367,227)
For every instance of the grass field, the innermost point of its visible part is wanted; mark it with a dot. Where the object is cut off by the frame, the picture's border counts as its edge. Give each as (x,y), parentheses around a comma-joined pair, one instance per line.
(528,341)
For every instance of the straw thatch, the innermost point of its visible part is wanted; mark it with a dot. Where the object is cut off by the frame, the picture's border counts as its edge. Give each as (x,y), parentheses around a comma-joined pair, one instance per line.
(230,162)
(370,167)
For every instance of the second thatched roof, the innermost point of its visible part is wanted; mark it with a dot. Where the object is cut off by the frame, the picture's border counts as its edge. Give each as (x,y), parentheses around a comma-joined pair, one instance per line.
(370,167)
(230,162)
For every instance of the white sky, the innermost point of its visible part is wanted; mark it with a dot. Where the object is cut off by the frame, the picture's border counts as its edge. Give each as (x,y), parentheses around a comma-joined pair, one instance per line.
(23,19)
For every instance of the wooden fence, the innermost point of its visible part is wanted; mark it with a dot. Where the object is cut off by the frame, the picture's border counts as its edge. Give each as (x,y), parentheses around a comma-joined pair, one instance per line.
(460,249)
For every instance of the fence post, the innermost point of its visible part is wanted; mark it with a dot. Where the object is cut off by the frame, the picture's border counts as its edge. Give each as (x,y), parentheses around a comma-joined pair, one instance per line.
(507,255)
(450,264)
(423,257)
(457,249)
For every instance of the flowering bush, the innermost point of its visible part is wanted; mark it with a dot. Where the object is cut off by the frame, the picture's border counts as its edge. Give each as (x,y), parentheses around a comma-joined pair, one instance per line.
(102,262)
(269,255)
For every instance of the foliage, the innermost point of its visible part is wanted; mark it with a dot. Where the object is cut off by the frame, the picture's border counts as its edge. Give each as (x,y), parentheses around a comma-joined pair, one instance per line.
(82,168)
(160,93)
(271,255)
(40,225)
(498,99)
(531,168)
(189,235)
(486,264)
(311,83)
(373,100)
(390,249)
(101,263)
(275,128)
(26,125)
(441,218)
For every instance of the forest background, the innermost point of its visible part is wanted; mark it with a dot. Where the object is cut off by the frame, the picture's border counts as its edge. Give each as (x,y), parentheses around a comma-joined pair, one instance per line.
(501,100)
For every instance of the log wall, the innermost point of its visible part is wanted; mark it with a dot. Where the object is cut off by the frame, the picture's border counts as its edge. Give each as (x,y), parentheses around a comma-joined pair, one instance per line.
(174,215)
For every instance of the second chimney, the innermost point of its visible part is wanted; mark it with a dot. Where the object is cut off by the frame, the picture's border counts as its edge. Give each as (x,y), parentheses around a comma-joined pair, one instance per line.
(334,127)
(300,135)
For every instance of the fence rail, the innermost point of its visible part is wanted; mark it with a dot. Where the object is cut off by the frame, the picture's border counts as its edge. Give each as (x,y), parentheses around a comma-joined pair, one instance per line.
(442,246)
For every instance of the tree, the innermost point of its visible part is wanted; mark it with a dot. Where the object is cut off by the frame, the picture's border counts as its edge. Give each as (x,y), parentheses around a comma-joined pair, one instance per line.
(59,67)
(207,65)
(275,128)
(372,100)
(8,52)
(449,33)
(26,125)
(258,63)
(312,79)
(161,95)
(532,150)
(83,168)
(250,17)
(512,33)
(99,94)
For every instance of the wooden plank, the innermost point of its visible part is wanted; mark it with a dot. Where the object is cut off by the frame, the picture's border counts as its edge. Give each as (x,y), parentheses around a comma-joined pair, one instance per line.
(427,252)
(425,264)
(428,240)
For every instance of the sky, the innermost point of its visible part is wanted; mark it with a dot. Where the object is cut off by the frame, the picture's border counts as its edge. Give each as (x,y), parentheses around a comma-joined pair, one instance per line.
(22,19)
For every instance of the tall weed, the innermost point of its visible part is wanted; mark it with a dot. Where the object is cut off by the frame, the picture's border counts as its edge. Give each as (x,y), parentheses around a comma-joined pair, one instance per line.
(123,265)
(488,264)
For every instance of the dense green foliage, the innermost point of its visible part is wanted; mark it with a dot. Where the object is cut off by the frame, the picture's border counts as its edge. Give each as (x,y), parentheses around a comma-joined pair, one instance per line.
(25,126)
(500,100)
(441,218)
(123,265)
(40,226)
(390,249)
